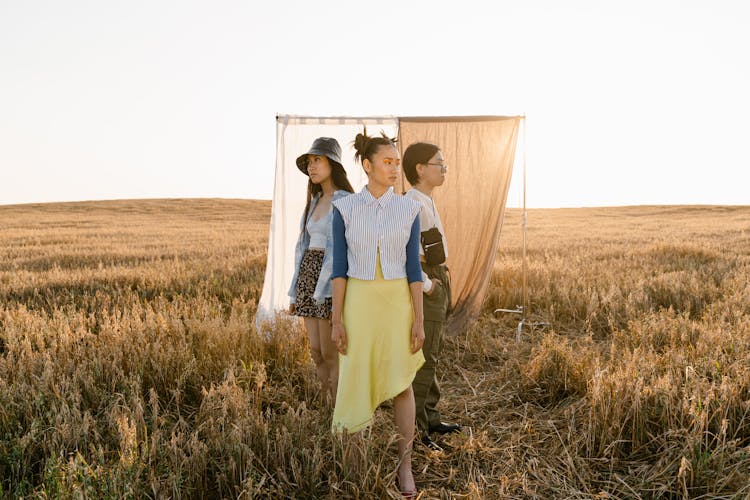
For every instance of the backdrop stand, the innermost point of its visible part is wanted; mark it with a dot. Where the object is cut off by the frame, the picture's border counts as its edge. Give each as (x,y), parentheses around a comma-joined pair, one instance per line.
(481,145)
(523,309)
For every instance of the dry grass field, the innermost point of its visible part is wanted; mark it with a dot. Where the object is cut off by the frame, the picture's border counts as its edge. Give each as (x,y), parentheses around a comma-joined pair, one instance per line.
(130,366)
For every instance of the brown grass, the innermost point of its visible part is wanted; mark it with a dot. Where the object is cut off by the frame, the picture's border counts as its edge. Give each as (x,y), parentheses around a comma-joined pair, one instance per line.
(129,363)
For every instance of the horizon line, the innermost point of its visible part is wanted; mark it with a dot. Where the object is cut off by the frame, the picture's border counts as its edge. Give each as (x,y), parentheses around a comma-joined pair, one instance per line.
(181,198)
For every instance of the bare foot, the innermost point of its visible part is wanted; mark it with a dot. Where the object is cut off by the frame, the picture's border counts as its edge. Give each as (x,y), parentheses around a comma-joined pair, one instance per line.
(406,483)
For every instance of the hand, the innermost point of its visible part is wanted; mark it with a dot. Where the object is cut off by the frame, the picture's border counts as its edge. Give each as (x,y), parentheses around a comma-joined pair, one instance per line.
(435,282)
(417,336)
(338,335)
(292,308)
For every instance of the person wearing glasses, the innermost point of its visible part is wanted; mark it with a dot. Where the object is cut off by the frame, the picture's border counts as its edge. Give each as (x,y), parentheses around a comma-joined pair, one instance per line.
(377,300)
(425,169)
(311,291)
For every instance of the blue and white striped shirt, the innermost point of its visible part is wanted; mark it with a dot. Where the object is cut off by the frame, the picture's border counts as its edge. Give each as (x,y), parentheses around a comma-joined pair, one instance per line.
(388,223)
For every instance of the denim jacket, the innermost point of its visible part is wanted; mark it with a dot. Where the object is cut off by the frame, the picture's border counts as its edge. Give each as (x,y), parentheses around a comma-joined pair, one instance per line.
(323,288)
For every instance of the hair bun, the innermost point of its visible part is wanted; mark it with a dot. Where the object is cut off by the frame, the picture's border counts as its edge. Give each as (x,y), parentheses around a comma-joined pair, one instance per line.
(360,142)
(365,146)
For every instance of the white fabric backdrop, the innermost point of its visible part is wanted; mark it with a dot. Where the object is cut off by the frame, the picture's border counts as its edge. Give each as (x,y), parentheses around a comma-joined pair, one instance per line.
(294,136)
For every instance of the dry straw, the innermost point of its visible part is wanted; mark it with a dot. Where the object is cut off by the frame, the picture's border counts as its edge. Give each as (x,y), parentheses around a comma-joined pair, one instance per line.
(130,367)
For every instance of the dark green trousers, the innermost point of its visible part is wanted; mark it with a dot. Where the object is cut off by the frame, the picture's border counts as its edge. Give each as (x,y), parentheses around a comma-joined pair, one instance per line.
(425,385)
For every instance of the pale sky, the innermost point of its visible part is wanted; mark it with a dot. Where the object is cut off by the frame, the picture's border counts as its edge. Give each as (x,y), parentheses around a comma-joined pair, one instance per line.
(630,102)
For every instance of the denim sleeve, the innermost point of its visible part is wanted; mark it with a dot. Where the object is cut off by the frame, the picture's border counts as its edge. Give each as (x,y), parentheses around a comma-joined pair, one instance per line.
(299,250)
(413,267)
(340,262)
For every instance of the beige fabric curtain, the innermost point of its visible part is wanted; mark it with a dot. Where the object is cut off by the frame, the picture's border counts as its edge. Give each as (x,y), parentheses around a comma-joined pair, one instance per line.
(480,153)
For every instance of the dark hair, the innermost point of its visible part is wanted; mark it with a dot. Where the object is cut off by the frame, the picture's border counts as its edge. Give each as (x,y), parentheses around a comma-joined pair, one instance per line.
(419,152)
(366,146)
(339,178)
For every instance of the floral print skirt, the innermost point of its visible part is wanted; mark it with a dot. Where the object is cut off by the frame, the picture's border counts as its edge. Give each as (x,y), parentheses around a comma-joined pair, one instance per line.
(312,262)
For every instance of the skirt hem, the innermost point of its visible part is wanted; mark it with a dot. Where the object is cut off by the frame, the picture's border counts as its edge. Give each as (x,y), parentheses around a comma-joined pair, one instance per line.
(340,429)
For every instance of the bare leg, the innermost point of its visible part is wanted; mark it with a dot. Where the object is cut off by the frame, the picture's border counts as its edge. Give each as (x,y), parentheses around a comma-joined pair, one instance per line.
(403,408)
(330,356)
(313,335)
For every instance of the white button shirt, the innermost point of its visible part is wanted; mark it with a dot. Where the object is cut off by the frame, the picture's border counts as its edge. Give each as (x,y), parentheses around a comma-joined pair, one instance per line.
(377,223)
(429,218)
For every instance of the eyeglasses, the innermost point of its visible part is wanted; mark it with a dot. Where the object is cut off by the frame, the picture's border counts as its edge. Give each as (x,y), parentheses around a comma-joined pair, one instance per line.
(443,166)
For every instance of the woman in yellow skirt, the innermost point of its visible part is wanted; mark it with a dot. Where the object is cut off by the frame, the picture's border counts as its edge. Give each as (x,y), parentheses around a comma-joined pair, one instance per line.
(377,318)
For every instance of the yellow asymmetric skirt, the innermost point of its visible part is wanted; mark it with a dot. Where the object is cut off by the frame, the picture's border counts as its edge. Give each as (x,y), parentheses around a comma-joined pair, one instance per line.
(378,364)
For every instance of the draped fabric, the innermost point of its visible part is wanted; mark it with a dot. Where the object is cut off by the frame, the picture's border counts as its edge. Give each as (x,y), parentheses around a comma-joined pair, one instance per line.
(294,136)
(480,153)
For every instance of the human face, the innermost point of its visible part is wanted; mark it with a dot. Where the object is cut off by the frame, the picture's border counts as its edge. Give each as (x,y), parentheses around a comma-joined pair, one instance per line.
(318,168)
(385,166)
(432,173)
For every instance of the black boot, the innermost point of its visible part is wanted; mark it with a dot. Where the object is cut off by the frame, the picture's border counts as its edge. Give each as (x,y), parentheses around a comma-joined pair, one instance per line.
(429,443)
(445,428)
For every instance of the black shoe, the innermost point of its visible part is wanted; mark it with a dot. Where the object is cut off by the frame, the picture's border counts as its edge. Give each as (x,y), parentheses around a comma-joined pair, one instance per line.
(429,443)
(444,428)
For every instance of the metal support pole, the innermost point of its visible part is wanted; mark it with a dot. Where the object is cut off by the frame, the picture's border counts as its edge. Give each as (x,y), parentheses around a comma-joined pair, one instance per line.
(524,226)
(523,309)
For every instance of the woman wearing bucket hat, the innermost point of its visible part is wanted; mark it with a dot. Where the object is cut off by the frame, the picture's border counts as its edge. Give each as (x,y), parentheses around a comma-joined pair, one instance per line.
(310,292)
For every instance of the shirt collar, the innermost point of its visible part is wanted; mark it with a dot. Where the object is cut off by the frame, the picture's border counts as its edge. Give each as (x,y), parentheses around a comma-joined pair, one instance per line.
(384,199)
(420,194)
